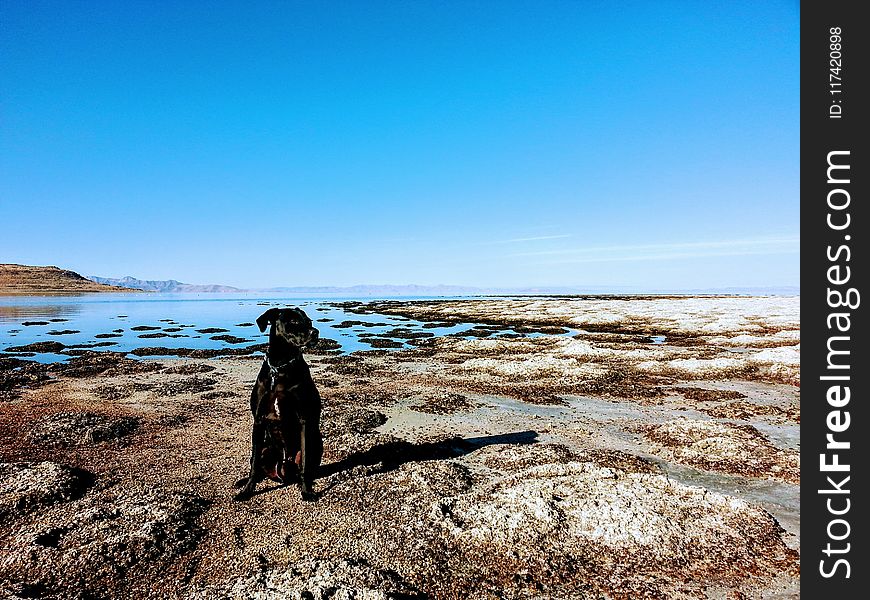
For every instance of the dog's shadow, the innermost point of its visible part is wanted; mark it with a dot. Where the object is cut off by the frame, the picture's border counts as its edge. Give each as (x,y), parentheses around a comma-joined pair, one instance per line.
(391,455)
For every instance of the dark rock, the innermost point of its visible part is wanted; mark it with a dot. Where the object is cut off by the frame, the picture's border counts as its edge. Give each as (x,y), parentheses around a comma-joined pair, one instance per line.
(108,335)
(89,363)
(113,392)
(62,332)
(198,352)
(443,403)
(546,329)
(189,368)
(75,429)
(230,339)
(346,304)
(349,324)
(38,347)
(16,375)
(623,382)
(349,419)
(406,334)
(324,346)
(171,420)
(212,330)
(365,353)
(21,354)
(349,365)
(708,395)
(30,323)
(144,328)
(161,351)
(189,385)
(439,324)
(474,332)
(158,334)
(215,395)
(376,342)
(91,345)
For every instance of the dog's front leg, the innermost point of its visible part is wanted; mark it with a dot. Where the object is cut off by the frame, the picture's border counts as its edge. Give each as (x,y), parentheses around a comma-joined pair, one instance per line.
(311,449)
(258,432)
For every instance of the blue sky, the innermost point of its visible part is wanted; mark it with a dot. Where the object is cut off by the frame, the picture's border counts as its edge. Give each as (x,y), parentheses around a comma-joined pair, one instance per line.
(651,145)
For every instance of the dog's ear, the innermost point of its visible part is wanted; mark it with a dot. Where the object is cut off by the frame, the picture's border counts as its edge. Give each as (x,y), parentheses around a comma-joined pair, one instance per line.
(266,318)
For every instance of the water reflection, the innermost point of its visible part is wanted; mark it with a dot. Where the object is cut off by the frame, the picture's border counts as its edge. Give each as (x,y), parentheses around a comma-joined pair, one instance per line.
(21,312)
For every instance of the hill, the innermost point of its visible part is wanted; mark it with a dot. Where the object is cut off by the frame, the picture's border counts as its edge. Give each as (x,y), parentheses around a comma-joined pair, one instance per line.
(31,280)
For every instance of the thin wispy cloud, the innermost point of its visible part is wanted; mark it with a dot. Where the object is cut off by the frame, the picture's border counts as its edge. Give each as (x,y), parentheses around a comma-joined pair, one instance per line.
(671,256)
(675,250)
(521,240)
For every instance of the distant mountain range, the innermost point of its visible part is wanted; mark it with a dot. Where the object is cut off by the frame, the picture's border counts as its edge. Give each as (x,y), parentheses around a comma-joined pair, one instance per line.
(173,286)
(388,290)
(167,286)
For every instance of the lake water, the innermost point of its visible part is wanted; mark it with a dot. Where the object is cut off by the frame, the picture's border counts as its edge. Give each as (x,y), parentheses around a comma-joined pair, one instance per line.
(173,321)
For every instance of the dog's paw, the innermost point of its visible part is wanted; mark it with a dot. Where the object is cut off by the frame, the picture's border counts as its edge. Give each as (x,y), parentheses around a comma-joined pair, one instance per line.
(243,495)
(307,491)
(241,482)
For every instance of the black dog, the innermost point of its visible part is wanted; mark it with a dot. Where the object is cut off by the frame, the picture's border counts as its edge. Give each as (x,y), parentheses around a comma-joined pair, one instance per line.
(286,444)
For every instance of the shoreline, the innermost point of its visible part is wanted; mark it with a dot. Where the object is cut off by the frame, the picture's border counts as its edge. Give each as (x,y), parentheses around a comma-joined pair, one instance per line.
(456,468)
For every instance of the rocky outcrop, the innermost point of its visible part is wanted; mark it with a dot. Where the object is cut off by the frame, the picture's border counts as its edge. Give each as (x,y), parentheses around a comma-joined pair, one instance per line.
(27,486)
(28,280)
(723,447)
(587,524)
(97,544)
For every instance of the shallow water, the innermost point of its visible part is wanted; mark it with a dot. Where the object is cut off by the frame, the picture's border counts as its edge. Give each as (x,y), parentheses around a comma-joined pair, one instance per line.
(182,315)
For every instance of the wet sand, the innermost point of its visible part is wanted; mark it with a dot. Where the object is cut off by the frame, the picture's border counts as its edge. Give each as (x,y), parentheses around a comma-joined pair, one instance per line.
(631,448)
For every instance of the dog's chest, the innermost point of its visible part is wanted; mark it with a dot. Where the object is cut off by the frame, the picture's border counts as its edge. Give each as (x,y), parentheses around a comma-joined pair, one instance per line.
(273,410)
(277,406)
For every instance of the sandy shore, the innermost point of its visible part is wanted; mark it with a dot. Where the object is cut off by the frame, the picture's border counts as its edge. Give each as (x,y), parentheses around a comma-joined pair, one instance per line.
(632,448)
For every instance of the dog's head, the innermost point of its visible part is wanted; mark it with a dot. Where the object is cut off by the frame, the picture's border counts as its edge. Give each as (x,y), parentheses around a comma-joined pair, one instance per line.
(289,324)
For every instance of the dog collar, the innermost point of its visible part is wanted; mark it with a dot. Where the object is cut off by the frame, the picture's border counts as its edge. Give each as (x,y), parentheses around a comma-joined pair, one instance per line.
(275,370)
